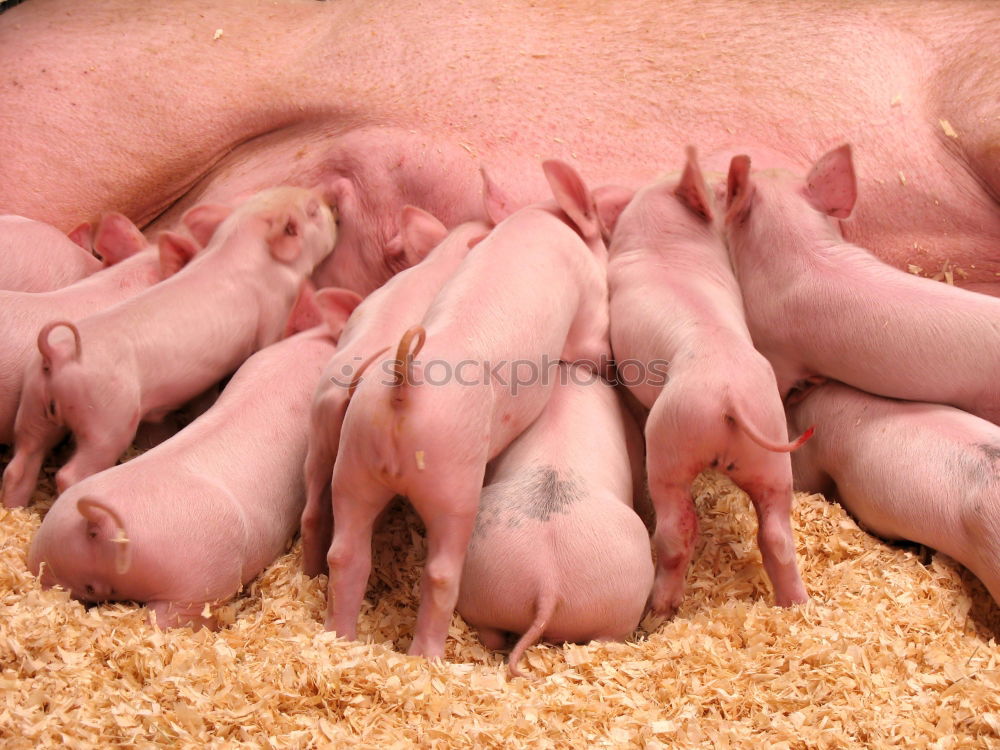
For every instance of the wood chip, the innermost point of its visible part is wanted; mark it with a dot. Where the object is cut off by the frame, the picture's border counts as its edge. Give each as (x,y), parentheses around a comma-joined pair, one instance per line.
(888,652)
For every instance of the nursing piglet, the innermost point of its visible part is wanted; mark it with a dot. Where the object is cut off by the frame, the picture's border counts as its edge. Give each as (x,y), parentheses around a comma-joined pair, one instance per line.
(142,359)
(558,552)
(136,267)
(533,292)
(820,306)
(906,470)
(375,326)
(37,257)
(185,525)
(675,301)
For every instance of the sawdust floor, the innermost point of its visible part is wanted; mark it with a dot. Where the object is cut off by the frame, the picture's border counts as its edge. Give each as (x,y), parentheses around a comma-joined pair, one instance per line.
(890,651)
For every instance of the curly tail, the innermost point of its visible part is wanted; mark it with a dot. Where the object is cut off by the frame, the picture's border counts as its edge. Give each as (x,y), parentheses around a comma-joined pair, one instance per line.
(546,607)
(100,513)
(49,355)
(762,441)
(405,353)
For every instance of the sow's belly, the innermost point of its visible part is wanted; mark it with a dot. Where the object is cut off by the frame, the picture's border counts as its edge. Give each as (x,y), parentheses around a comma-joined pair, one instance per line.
(305,93)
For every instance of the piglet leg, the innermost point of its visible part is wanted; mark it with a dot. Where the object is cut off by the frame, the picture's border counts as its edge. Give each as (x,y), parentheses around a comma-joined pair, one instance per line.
(447,542)
(317,515)
(673,538)
(774,538)
(350,555)
(35,435)
(96,453)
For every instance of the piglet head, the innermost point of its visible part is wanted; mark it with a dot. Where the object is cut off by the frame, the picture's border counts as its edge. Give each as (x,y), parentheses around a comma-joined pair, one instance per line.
(678,207)
(83,546)
(777,198)
(295,224)
(300,227)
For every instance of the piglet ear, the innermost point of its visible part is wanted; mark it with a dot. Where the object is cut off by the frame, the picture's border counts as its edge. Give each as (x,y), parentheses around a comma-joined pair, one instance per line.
(573,197)
(611,201)
(83,235)
(336,305)
(203,220)
(739,190)
(496,202)
(340,195)
(117,238)
(305,313)
(831,186)
(691,190)
(419,233)
(105,526)
(284,237)
(176,251)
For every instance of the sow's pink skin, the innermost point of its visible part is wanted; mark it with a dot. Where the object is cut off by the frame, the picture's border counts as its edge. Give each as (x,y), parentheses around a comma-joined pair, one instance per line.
(185,525)
(136,267)
(558,552)
(674,300)
(142,359)
(324,90)
(906,470)
(533,292)
(36,257)
(376,326)
(819,306)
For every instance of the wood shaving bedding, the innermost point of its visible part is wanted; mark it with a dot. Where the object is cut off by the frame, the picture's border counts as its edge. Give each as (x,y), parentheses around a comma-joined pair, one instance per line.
(888,653)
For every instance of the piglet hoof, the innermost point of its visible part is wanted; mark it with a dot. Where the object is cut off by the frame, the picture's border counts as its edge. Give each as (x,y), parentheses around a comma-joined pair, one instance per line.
(346,631)
(427,650)
(514,671)
(666,597)
(9,495)
(792,598)
(9,501)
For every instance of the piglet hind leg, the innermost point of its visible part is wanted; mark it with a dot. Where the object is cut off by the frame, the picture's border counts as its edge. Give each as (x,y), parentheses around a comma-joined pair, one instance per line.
(448,536)
(34,437)
(94,454)
(317,515)
(350,557)
(674,539)
(773,505)
(21,474)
